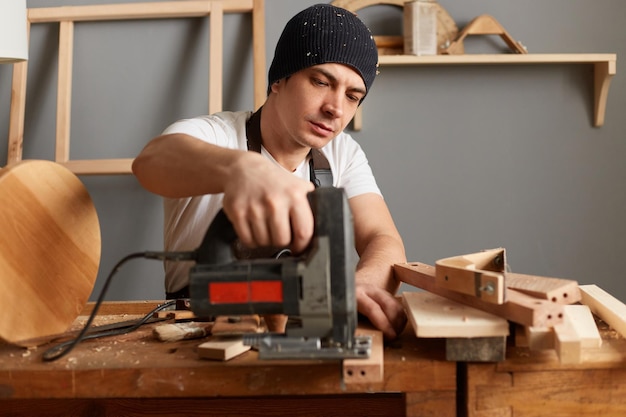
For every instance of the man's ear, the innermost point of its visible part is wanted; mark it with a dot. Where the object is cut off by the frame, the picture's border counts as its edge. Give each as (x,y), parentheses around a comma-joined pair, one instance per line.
(275,86)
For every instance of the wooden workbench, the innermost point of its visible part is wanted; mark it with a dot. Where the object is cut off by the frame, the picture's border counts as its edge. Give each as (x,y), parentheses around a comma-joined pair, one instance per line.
(536,384)
(134,374)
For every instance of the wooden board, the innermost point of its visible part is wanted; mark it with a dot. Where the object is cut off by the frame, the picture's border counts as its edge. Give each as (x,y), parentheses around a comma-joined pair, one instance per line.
(557,290)
(519,308)
(222,348)
(49,249)
(605,306)
(434,316)
(359,371)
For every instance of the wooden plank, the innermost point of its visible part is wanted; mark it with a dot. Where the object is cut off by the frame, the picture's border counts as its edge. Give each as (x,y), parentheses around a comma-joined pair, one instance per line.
(99,166)
(540,338)
(359,371)
(222,348)
(584,324)
(258,53)
(216,53)
(519,308)
(432,315)
(237,325)
(18,111)
(132,11)
(499,59)
(557,290)
(64,91)
(605,306)
(567,342)
(122,307)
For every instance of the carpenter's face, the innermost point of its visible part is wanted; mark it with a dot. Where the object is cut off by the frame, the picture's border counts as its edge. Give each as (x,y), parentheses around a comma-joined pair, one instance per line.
(317,103)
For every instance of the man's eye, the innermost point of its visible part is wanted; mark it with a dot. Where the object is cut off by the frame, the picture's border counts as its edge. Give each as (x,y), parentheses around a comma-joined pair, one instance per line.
(317,81)
(352,97)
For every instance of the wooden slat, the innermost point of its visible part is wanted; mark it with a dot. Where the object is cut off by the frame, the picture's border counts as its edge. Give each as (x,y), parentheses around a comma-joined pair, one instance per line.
(122,307)
(64,91)
(557,290)
(605,306)
(18,111)
(222,348)
(432,315)
(216,54)
(567,342)
(258,52)
(100,166)
(519,308)
(540,338)
(130,11)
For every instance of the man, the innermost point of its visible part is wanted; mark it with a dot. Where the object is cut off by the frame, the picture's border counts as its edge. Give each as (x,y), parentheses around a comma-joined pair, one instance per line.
(324,65)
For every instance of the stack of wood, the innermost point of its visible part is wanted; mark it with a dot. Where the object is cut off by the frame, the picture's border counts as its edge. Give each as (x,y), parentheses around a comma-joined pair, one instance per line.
(473,302)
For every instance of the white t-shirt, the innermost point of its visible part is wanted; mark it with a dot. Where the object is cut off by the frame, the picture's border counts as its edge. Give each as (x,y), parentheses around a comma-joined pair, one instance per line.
(188,219)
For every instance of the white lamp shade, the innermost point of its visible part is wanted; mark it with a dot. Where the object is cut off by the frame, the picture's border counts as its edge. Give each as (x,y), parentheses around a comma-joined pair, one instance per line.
(13,38)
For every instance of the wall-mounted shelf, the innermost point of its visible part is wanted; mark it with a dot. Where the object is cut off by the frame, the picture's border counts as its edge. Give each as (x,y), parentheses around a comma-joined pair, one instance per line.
(604,69)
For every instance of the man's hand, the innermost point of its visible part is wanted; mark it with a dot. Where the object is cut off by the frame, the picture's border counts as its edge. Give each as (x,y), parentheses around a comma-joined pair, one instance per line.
(383,310)
(267,205)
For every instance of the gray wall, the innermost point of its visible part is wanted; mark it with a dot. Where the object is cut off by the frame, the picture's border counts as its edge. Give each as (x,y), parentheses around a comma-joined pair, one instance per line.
(468,157)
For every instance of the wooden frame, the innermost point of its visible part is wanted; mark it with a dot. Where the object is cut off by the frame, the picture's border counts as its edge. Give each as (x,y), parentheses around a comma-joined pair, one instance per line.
(67,16)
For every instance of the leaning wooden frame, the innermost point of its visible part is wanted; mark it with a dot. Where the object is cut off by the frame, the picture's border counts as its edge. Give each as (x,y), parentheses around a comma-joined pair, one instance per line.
(67,16)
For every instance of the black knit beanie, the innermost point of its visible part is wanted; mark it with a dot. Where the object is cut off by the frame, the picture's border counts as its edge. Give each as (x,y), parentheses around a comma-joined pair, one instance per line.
(323,34)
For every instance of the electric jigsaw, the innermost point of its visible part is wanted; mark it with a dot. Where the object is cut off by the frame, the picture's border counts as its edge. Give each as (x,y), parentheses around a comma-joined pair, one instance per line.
(315,289)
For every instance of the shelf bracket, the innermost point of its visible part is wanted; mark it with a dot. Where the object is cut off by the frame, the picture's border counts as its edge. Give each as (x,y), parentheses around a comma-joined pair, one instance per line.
(603,73)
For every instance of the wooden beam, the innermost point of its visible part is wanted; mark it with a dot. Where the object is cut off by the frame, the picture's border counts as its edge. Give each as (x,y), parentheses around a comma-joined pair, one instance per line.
(435,316)
(133,11)
(519,308)
(557,290)
(367,370)
(222,348)
(64,91)
(605,306)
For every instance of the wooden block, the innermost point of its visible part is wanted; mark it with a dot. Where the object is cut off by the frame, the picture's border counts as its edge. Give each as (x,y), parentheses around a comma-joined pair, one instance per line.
(557,290)
(567,342)
(173,332)
(236,325)
(519,308)
(605,306)
(222,348)
(434,316)
(582,320)
(356,371)
(476,349)
(519,334)
(175,315)
(540,338)
(479,274)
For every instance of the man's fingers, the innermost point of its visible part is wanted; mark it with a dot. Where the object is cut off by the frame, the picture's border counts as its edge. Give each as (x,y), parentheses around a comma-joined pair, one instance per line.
(383,310)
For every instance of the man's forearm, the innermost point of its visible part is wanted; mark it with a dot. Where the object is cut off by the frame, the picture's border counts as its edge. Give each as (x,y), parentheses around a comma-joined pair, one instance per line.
(376,263)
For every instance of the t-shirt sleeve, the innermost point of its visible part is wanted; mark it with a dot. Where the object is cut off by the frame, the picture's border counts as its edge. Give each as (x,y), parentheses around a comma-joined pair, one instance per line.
(351,169)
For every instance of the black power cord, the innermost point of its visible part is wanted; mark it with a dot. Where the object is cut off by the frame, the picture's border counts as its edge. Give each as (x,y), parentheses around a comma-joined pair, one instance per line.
(62,349)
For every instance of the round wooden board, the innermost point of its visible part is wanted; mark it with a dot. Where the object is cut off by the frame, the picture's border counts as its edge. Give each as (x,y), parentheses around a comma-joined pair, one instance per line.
(49,249)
